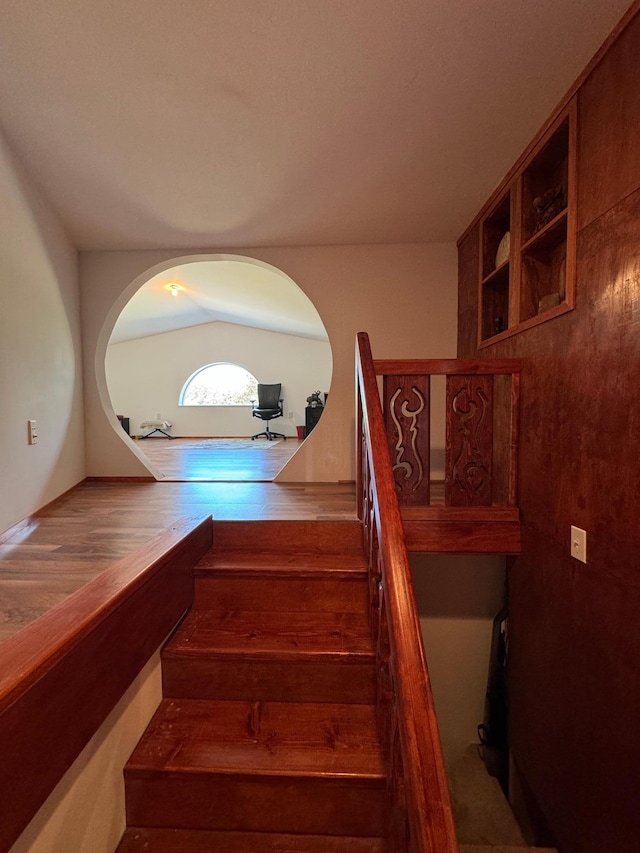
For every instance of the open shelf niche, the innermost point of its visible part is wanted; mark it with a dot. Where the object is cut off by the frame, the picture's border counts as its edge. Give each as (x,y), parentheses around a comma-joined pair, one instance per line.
(534,280)
(495,269)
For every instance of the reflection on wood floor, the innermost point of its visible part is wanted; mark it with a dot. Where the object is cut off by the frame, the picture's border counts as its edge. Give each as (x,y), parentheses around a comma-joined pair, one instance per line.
(79,535)
(218,459)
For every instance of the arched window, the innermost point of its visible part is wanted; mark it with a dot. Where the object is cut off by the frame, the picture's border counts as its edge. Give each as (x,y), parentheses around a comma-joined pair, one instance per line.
(220,384)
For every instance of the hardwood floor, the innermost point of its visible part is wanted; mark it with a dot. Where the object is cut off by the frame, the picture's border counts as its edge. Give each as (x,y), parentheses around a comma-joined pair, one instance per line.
(98,522)
(219,459)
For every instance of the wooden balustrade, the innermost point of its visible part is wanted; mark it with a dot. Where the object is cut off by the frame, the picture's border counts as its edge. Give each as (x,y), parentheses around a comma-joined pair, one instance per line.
(422,820)
(481,443)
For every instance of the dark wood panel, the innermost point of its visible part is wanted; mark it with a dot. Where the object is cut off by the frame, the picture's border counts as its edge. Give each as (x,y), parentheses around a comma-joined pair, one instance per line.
(469,441)
(254,738)
(608,151)
(574,632)
(302,767)
(272,593)
(468,274)
(320,536)
(407,413)
(143,840)
(306,680)
(64,673)
(278,804)
(462,537)
(452,366)
(468,296)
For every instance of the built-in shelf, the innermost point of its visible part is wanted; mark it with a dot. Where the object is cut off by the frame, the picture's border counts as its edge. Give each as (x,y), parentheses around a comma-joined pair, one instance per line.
(536,218)
(497,273)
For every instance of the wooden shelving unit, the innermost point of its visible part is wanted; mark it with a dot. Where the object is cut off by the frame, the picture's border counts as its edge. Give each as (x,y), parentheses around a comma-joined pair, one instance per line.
(536,281)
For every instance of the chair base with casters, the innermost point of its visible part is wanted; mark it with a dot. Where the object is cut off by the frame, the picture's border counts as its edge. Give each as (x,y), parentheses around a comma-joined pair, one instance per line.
(269,407)
(268,435)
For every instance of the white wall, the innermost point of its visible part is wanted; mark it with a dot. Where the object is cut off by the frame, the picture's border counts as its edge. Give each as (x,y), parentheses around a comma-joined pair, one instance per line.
(457,598)
(145,376)
(85,813)
(405,296)
(40,356)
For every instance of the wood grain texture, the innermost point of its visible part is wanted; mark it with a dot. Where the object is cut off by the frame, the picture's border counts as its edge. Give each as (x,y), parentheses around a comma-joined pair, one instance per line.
(574,632)
(277,803)
(144,840)
(461,537)
(261,738)
(469,441)
(303,536)
(304,767)
(63,674)
(609,159)
(407,413)
(445,366)
(75,538)
(278,656)
(268,594)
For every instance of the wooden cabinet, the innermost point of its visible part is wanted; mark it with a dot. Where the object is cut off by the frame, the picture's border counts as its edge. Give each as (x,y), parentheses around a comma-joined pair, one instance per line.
(528,239)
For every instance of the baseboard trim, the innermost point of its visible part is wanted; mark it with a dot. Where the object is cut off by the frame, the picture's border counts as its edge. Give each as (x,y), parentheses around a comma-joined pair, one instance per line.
(31,519)
(109,479)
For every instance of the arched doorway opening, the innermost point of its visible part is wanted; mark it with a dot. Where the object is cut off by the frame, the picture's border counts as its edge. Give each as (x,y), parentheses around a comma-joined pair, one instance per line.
(197,312)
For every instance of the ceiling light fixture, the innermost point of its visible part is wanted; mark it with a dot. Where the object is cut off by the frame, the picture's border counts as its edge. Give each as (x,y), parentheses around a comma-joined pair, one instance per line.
(174,288)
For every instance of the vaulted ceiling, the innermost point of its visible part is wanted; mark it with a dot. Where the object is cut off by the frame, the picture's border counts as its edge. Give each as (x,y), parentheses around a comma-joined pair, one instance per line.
(225,290)
(217,123)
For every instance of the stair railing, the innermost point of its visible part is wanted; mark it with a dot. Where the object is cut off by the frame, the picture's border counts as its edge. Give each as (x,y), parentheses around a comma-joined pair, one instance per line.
(421,816)
(481,404)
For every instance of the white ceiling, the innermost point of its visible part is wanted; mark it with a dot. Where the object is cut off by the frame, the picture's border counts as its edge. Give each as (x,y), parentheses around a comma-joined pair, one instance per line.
(231,291)
(217,123)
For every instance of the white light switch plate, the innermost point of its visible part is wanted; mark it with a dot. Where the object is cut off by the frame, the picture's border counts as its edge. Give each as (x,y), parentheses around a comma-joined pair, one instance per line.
(579,543)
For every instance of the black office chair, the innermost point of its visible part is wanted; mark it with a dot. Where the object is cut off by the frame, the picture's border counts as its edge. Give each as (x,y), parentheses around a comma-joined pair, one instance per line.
(269,407)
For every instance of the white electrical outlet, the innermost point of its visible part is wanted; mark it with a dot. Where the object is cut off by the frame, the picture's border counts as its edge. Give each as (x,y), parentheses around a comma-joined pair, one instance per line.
(290,415)
(579,544)
(32,432)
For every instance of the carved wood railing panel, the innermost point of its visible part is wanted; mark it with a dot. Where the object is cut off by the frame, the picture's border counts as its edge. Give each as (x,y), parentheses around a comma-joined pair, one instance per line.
(406,409)
(469,440)
(481,444)
(421,816)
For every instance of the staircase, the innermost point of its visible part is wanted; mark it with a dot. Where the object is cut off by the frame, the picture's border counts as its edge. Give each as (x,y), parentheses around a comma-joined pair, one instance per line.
(266,738)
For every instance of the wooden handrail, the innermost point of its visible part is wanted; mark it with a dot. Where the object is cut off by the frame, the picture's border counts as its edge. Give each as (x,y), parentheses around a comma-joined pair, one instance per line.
(423,821)
(63,673)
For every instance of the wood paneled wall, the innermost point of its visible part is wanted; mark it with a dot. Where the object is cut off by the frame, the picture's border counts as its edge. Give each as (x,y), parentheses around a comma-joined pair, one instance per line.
(574,665)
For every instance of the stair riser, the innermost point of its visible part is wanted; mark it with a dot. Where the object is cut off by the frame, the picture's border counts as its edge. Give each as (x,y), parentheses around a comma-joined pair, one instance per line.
(280,595)
(264,804)
(305,536)
(266,680)
(145,840)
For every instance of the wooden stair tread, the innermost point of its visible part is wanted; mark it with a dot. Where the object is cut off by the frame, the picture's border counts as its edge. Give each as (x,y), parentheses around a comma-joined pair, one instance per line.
(504,848)
(241,563)
(155,840)
(253,738)
(277,635)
